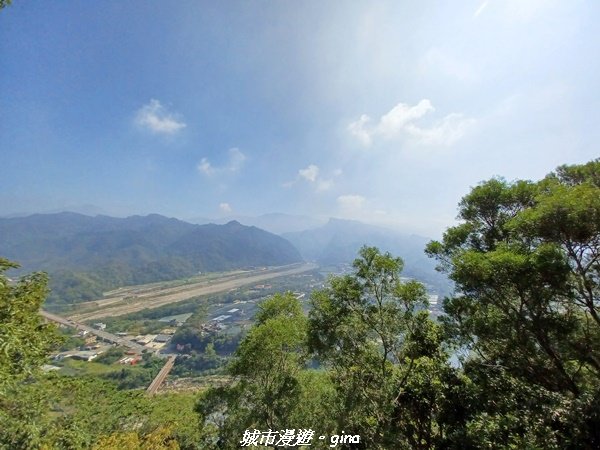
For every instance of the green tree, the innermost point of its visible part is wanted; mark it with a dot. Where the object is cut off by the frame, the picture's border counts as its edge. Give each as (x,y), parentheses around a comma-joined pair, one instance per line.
(265,370)
(384,354)
(25,341)
(526,263)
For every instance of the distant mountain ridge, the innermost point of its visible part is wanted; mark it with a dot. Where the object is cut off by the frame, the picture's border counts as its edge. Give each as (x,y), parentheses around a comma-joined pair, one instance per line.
(85,255)
(338,241)
(277,223)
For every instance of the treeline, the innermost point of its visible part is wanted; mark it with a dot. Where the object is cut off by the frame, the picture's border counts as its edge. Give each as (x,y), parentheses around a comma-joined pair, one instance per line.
(68,287)
(525,318)
(368,360)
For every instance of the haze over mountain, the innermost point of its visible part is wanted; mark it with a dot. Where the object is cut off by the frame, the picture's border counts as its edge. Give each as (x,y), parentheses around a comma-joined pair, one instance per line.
(338,241)
(86,209)
(277,223)
(85,255)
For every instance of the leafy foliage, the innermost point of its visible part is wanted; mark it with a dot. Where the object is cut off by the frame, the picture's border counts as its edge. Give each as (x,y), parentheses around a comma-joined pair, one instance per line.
(526,261)
(270,387)
(380,359)
(383,353)
(367,360)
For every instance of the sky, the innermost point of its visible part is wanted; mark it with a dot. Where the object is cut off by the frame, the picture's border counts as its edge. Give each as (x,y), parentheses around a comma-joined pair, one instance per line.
(386,112)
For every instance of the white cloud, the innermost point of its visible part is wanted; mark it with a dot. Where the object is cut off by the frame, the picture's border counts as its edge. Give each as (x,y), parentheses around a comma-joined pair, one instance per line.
(235,161)
(399,123)
(447,131)
(402,115)
(155,118)
(350,202)
(205,167)
(358,130)
(310,173)
(225,207)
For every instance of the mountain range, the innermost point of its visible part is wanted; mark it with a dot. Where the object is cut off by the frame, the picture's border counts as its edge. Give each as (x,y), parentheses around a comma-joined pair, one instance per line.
(86,255)
(277,223)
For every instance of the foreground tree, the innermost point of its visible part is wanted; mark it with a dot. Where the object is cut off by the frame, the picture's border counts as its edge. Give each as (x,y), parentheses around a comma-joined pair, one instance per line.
(271,388)
(49,411)
(526,263)
(384,355)
(25,341)
(382,372)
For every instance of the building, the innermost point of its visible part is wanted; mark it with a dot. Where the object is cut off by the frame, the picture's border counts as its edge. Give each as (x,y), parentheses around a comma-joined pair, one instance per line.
(144,339)
(162,338)
(85,355)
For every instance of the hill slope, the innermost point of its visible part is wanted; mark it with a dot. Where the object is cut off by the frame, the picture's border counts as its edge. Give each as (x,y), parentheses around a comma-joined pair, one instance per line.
(86,255)
(338,241)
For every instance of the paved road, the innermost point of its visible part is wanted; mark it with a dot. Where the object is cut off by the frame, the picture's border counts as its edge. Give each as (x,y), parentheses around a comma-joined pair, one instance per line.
(161,376)
(191,291)
(109,337)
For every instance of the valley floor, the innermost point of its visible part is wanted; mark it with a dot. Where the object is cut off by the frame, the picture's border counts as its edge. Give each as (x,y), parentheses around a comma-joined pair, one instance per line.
(128,302)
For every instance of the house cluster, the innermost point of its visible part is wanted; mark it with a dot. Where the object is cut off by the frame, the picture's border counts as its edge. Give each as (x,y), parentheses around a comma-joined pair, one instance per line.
(155,342)
(211,327)
(219,323)
(89,351)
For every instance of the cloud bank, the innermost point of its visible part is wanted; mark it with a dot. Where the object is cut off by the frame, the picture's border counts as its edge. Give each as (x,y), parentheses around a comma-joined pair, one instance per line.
(401,123)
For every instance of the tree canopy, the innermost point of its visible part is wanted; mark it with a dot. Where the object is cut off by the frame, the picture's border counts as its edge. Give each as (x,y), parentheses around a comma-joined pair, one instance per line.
(514,361)
(526,263)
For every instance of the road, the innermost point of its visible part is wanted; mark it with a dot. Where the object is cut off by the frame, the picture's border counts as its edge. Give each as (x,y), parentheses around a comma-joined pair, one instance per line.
(108,337)
(161,376)
(173,295)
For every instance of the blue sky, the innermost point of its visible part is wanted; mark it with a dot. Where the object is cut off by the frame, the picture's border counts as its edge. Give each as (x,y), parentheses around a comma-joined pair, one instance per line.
(382,111)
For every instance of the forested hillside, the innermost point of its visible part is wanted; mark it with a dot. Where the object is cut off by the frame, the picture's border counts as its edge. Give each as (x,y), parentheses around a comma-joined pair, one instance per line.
(367,363)
(87,255)
(524,323)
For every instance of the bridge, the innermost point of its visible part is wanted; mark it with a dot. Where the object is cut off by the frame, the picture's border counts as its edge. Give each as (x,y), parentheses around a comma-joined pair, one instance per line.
(161,376)
(114,339)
